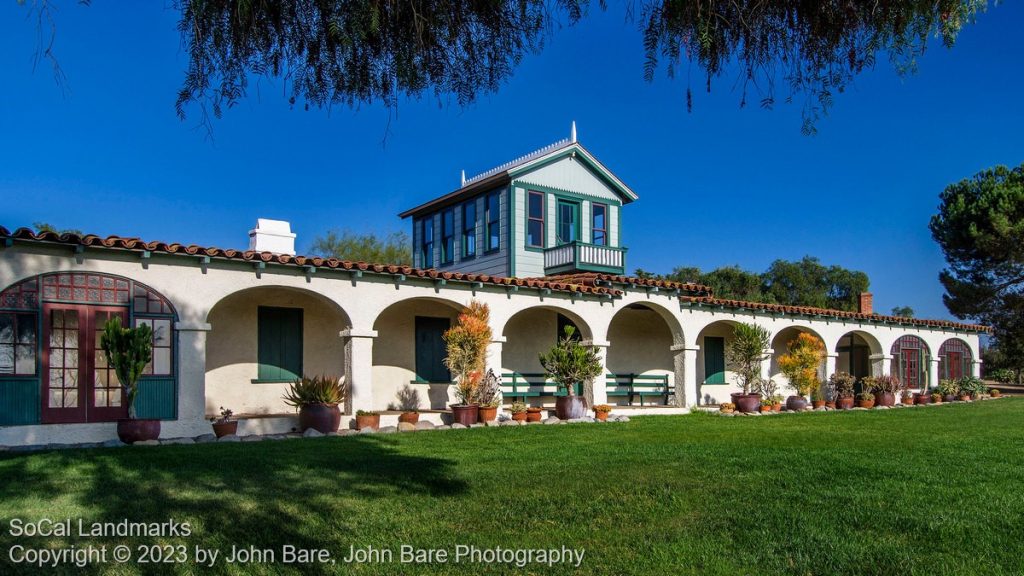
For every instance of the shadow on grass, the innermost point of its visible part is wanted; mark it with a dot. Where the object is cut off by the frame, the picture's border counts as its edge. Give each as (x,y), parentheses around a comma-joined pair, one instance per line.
(308,494)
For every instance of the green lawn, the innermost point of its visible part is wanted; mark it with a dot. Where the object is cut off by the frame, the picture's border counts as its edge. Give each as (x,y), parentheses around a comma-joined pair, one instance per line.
(913,491)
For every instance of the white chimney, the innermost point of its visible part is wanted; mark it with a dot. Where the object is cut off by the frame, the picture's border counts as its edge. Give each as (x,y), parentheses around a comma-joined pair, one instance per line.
(272,236)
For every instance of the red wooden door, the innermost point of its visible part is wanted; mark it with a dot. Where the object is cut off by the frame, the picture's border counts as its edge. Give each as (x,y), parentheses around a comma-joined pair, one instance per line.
(911,367)
(954,365)
(77,384)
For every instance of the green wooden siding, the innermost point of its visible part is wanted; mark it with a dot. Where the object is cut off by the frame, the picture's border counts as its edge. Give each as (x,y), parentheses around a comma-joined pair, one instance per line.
(157,398)
(279,343)
(714,360)
(430,349)
(19,401)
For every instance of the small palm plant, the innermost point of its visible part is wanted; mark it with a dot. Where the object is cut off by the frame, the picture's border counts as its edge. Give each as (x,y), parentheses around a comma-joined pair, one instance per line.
(569,362)
(746,352)
(128,351)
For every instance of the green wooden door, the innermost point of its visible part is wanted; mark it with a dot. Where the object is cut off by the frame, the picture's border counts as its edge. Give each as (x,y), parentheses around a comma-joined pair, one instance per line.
(714,360)
(279,343)
(430,349)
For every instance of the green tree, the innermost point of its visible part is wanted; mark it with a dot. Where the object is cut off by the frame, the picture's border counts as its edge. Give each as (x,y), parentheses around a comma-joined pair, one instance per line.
(47,227)
(903,311)
(394,248)
(809,283)
(980,228)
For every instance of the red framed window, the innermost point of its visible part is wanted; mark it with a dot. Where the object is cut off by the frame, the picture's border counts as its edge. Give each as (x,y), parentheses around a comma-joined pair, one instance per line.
(955,359)
(910,357)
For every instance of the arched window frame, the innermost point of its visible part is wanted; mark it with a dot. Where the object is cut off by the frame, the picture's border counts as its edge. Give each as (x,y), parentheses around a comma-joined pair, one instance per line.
(956,346)
(900,366)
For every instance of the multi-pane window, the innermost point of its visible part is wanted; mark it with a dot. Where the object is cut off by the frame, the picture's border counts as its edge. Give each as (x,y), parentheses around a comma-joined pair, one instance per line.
(493,221)
(447,236)
(427,242)
(91,288)
(535,220)
(599,224)
(469,229)
(955,359)
(160,365)
(18,343)
(910,358)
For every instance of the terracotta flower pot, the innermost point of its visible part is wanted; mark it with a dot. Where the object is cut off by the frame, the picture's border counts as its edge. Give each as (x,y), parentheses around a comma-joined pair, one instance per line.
(465,414)
(796,403)
(324,418)
(132,430)
(995,393)
(367,421)
(221,429)
(865,403)
(830,404)
(602,416)
(936,399)
(844,403)
(777,407)
(765,409)
(409,417)
(885,399)
(569,407)
(820,403)
(907,400)
(487,413)
(964,398)
(746,402)
(533,415)
(520,416)
(922,398)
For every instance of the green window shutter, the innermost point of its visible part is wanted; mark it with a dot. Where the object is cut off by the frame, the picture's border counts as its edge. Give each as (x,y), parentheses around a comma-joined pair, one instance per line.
(279,343)
(430,349)
(157,398)
(714,360)
(19,401)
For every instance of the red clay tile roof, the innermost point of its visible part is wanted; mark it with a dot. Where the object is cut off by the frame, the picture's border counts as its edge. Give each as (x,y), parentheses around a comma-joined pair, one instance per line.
(597,279)
(135,244)
(811,311)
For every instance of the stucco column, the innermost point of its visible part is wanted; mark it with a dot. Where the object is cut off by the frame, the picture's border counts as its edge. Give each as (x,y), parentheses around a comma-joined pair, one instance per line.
(685,360)
(933,373)
(359,368)
(494,363)
(881,364)
(766,364)
(599,395)
(976,368)
(192,371)
(831,361)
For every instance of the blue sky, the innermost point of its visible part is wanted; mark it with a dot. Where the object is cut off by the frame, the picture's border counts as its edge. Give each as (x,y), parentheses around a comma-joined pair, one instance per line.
(721,185)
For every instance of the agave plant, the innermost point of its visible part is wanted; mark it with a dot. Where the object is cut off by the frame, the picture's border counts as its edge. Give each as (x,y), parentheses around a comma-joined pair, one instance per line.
(316,390)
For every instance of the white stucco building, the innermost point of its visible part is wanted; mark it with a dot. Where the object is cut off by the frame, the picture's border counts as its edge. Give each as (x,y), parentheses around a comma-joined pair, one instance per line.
(538,239)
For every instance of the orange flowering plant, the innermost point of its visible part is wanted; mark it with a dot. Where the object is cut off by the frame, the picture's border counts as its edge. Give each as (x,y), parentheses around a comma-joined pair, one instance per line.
(466,343)
(800,365)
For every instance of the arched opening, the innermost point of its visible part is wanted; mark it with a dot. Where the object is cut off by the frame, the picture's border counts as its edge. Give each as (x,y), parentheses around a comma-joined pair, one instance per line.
(780,347)
(642,367)
(409,350)
(910,357)
(955,359)
(715,382)
(52,369)
(262,339)
(527,334)
(858,353)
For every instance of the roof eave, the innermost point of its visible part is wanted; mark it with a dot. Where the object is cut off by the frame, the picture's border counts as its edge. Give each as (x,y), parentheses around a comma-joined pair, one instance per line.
(453,197)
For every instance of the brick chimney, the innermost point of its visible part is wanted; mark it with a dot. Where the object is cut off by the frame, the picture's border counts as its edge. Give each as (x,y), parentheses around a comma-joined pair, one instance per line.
(272,236)
(866,303)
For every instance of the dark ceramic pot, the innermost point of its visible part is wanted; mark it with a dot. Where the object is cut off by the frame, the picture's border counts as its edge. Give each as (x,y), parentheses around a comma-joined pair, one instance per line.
(569,407)
(922,398)
(222,429)
(465,414)
(487,413)
(132,430)
(746,402)
(844,403)
(796,403)
(323,418)
(948,398)
(885,399)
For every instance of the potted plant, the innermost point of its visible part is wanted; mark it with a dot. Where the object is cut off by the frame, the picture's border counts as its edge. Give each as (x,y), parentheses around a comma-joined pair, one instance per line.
(726,407)
(765,405)
(489,397)
(948,389)
(865,400)
(936,398)
(128,351)
(884,388)
(800,365)
(843,383)
(777,403)
(907,399)
(466,343)
(408,404)
(745,353)
(568,363)
(965,388)
(818,396)
(924,396)
(317,400)
(225,425)
(995,393)
(367,419)
(601,412)
(534,413)
(518,410)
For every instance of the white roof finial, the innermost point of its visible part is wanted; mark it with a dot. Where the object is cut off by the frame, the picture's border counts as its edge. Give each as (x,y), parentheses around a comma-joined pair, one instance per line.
(572,135)
(463,178)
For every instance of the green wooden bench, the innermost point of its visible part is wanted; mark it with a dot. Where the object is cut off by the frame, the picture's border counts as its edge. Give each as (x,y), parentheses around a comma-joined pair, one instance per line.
(639,386)
(523,386)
